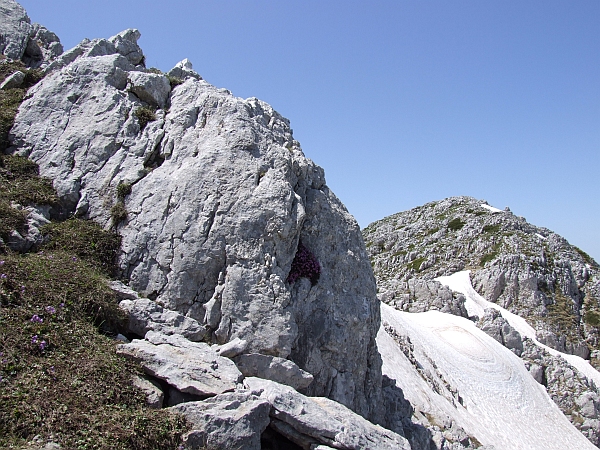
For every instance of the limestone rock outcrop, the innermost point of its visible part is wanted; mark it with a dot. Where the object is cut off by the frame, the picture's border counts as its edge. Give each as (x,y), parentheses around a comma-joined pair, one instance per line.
(190,367)
(313,421)
(20,40)
(212,197)
(233,420)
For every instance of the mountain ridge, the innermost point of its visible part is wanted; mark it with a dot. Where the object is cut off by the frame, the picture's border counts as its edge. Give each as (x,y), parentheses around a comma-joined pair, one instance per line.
(249,299)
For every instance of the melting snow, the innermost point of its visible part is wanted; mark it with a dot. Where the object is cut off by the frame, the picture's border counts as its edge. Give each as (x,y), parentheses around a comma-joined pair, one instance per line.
(490,208)
(460,373)
(476,304)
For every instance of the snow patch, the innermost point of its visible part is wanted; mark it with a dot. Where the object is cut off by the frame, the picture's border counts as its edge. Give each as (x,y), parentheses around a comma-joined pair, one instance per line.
(476,304)
(454,371)
(543,238)
(490,208)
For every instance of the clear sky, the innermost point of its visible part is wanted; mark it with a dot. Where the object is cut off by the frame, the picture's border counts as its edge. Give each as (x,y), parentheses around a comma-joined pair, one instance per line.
(401,101)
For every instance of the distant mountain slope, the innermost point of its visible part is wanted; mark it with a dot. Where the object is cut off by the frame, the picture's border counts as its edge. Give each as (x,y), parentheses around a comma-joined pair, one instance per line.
(523,285)
(530,271)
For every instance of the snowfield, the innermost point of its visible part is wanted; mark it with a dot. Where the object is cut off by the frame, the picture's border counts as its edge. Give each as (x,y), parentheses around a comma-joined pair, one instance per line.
(475,305)
(455,370)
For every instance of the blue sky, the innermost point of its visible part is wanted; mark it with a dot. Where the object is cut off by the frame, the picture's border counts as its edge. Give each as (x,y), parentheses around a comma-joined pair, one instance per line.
(402,102)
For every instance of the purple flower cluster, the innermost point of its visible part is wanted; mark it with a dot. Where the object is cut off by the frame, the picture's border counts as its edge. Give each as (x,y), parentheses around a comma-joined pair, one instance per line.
(39,342)
(37,319)
(304,265)
(51,309)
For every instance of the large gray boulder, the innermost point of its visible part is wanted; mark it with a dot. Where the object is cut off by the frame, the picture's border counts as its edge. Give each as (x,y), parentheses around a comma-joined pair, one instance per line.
(221,199)
(228,421)
(15,27)
(310,421)
(496,326)
(190,367)
(273,368)
(145,315)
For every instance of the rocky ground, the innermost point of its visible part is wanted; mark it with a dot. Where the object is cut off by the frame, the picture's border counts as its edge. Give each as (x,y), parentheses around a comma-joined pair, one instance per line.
(249,304)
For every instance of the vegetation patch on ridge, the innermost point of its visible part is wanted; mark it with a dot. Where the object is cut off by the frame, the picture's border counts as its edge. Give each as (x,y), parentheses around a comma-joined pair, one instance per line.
(60,377)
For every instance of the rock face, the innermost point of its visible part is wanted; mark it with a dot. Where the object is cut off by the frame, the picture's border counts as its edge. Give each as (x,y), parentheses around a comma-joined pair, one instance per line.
(227,421)
(21,41)
(212,197)
(576,396)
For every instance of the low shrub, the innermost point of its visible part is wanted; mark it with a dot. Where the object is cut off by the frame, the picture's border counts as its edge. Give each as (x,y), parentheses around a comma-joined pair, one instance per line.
(145,115)
(415,264)
(118,213)
(456,224)
(592,318)
(174,81)
(491,228)
(123,190)
(86,240)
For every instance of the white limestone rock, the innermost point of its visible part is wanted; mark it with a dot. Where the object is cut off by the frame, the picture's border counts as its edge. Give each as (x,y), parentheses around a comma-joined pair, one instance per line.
(220,189)
(273,368)
(190,367)
(151,88)
(232,349)
(43,46)
(154,394)
(36,217)
(125,44)
(145,315)
(493,324)
(183,69)
(228,421)
(20,40)
(311,420)
(15,27)
(123,291)
(13,81)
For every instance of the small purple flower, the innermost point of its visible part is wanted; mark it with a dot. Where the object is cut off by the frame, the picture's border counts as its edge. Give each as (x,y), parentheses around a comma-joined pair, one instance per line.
(2,263)
(43,345)
(3,276)
(37,319)
(62,305)
(50,257)
(34,339)
(51,309)
(74,259)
